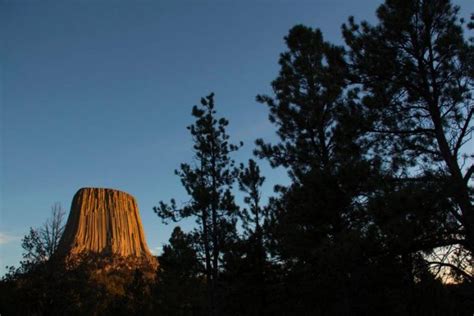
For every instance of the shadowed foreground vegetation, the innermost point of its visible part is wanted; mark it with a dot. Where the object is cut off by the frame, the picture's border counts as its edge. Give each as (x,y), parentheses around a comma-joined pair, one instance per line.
(378,217)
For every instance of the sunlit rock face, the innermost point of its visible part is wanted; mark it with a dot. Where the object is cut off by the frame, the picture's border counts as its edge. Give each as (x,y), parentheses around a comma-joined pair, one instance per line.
(105,223)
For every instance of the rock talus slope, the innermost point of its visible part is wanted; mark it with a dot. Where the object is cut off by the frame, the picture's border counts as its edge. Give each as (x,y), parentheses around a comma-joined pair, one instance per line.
(105,222)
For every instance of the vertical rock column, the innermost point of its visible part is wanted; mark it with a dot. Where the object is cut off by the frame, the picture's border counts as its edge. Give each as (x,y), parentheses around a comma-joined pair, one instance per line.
(105,222)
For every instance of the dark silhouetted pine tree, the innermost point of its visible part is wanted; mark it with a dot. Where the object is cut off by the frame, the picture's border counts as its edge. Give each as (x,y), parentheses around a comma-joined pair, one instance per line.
(208,181)
(180,285)
(415,70)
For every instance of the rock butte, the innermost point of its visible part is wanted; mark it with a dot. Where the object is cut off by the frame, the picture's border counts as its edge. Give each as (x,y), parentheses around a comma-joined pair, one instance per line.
(105,222)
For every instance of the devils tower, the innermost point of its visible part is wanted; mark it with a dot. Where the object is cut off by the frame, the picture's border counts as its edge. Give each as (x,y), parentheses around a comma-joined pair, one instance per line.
(105,224)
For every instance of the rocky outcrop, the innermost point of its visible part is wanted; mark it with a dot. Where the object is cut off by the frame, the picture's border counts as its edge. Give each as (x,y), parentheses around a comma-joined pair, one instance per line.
(105,223)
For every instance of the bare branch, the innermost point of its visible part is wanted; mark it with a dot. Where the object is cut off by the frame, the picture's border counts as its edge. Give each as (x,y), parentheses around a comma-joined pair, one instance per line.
(468,277)
(468,174)
(464,129)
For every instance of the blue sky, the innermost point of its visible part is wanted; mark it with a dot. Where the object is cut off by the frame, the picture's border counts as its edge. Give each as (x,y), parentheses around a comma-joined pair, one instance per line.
(98,93)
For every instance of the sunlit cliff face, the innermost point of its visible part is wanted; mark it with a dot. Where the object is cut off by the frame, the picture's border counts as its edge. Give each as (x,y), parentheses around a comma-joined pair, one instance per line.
(105,222)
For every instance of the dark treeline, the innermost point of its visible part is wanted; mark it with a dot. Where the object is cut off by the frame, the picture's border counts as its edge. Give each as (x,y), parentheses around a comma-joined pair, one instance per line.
(378,217)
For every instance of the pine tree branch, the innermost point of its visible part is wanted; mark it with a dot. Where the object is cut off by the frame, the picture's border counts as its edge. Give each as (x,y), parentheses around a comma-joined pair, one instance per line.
(408,132)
